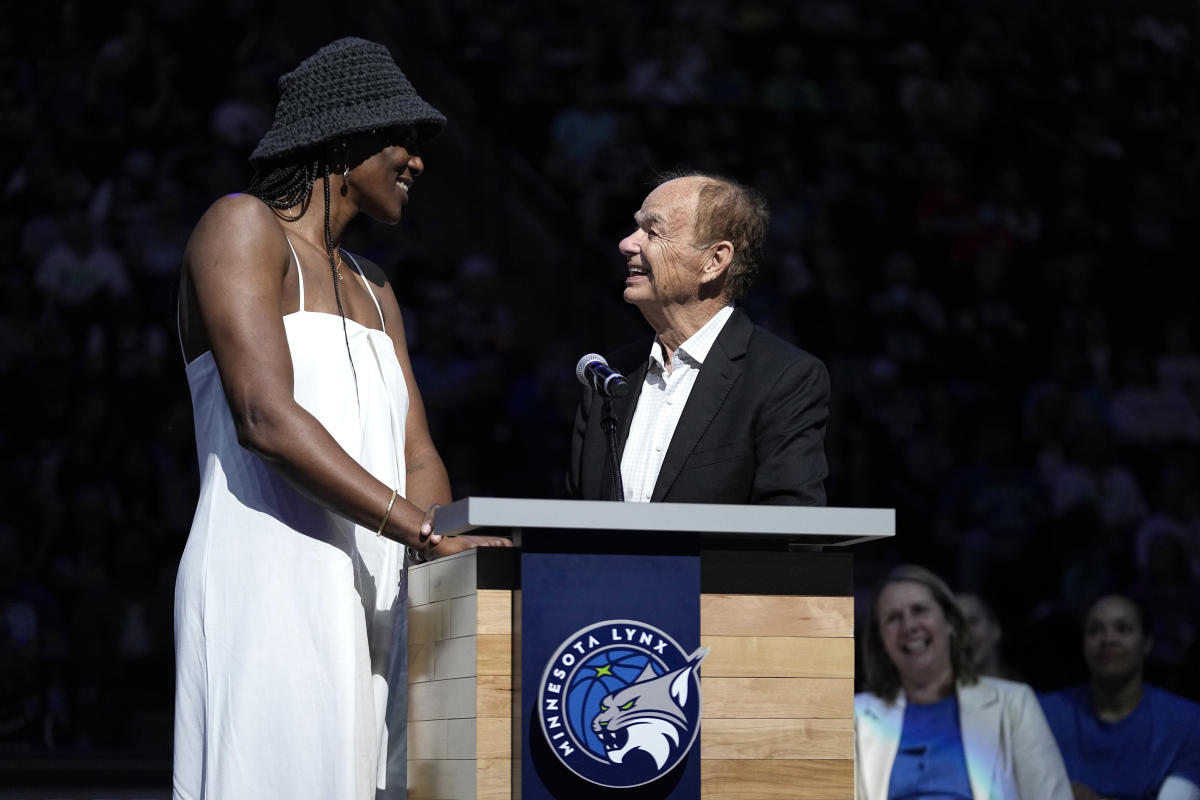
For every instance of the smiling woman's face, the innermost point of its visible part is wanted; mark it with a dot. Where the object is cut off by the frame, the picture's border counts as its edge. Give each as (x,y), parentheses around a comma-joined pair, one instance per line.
(384,164)
(1114,644)
(914,630)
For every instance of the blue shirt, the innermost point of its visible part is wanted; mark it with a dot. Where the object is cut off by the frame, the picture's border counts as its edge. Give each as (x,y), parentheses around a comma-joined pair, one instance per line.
(930,763)
(1132,757)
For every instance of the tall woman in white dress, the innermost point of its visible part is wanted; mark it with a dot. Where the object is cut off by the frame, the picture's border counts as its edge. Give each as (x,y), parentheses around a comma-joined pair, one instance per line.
(317,467)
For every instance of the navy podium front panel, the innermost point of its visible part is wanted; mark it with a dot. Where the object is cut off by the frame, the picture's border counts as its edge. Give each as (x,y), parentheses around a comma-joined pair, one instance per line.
(610,651)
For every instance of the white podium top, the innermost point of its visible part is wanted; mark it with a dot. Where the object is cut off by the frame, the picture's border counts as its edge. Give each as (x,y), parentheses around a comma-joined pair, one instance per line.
(805,524)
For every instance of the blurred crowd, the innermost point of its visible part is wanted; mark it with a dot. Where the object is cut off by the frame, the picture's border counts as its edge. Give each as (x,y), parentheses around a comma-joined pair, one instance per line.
(981,213)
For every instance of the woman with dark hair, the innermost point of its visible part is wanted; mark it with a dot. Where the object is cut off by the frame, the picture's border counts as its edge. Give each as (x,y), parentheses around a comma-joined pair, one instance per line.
(1120,736)
(317,466)
(986,635)
(928,725)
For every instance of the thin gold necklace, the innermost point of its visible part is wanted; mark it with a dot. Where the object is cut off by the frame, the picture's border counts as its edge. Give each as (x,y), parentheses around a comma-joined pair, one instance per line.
(337,254)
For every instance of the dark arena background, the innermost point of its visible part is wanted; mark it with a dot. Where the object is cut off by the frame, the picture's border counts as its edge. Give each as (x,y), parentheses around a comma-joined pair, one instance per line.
(983,213)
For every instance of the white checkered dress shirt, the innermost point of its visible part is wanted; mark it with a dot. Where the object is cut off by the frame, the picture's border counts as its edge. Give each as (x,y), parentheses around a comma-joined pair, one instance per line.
(660,405)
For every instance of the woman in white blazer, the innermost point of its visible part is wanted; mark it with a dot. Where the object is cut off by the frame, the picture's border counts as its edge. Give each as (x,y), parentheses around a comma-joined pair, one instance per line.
(927,724)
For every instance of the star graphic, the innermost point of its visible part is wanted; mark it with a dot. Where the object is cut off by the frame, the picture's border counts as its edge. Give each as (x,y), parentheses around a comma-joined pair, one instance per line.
(605,670)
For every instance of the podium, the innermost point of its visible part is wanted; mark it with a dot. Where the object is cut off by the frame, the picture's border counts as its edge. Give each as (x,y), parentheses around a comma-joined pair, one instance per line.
(636,650)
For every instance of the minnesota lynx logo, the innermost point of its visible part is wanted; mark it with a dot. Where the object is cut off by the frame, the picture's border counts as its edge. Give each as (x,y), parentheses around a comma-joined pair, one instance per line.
(620,703)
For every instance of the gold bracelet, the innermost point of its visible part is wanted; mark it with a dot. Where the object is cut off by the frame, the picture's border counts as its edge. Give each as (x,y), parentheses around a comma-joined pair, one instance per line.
(387,513)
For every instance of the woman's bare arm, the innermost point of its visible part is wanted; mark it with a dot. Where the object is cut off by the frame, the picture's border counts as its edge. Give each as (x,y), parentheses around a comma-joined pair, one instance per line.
(428,482)
(236,262)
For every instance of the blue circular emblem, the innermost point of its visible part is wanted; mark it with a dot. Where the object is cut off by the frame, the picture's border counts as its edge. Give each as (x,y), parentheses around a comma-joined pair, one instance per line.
(619,703)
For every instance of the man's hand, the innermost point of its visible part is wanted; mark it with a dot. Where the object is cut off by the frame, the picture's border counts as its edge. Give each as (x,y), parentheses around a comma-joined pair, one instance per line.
(456,544)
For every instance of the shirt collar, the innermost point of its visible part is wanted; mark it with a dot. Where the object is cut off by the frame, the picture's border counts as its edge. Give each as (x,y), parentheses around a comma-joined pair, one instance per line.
(696,347)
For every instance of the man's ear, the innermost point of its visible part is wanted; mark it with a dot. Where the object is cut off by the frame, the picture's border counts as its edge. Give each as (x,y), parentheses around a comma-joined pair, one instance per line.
(716,261)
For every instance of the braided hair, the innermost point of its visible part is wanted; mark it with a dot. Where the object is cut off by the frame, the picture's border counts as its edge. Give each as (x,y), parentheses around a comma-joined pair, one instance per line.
(288,184)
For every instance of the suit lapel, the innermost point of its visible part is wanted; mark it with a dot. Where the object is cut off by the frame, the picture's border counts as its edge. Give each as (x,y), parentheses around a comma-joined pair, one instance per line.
(719,372)
(877,728)
(979,717)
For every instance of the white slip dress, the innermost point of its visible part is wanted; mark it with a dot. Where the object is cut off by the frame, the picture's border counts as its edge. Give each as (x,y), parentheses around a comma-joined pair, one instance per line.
(290,620)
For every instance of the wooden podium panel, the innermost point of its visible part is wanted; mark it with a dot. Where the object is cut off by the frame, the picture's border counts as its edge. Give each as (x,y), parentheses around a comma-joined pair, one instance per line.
(460,677)
(778,682)
(776,686)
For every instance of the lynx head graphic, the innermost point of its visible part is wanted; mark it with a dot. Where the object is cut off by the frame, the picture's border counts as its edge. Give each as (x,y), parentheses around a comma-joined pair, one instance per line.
(615,687)
(648,714)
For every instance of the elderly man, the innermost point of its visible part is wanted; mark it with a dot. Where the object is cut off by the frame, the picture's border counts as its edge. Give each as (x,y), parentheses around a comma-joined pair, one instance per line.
(720,411)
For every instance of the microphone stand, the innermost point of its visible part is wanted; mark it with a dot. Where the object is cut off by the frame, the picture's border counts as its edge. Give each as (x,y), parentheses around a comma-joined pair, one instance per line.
(608,421)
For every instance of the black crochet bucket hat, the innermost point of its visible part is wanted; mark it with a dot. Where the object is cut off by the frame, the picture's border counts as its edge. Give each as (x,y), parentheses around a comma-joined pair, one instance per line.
(348,86)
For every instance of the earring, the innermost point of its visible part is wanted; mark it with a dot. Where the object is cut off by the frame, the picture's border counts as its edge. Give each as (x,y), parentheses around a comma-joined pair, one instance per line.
(345,180)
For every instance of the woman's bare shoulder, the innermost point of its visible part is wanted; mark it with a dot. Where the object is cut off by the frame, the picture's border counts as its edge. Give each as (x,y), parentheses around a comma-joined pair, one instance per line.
(237,212)
(238,221)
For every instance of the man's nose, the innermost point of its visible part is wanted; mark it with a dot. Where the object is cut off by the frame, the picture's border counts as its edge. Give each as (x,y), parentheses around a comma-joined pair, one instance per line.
(415,164)
(628,246)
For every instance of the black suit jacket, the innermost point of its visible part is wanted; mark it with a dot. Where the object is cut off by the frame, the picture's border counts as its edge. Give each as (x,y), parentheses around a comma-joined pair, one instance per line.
(752,432)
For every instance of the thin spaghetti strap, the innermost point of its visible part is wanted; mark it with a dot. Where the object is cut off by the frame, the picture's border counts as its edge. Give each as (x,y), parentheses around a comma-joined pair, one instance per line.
(179,331)
(179,301)
(299,272)
(367,284)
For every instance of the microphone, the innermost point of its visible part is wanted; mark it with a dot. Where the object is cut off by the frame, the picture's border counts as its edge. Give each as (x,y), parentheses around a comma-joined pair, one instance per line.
(593,370)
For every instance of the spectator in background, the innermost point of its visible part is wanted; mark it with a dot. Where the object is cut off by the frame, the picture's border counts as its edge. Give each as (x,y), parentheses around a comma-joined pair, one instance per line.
(1176,509)
(83,268)
(928,724)
(670,70)
(33,651)
(788,90)
(1178,366)
(986,635)
(1120,737)
(242,118)
(1093,475)
(1169,595)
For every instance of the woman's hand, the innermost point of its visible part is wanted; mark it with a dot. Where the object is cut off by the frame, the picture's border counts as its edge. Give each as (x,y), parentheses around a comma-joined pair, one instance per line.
(427,538)
(434,545)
